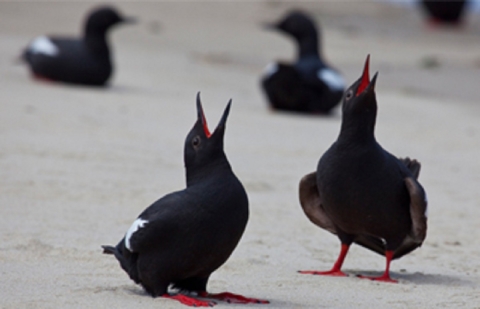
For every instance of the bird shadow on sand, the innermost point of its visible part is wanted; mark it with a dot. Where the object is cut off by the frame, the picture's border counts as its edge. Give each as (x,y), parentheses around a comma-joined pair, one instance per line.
(138,291)
(135,290)
(421,278)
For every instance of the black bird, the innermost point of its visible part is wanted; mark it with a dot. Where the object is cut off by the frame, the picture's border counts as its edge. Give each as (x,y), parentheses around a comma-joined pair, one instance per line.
(361,192)
(444,11)
(309,85)
(84,61)
(185,236)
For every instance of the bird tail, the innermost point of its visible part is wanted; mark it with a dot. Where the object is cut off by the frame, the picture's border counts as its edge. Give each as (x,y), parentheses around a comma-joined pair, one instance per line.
(127,260)
(21,58)
(109,249)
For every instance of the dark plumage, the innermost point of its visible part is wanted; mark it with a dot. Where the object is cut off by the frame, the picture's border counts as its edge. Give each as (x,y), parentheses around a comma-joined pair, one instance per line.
(185,236)
(85,60)
(443,11)
(361,192)
(309,85)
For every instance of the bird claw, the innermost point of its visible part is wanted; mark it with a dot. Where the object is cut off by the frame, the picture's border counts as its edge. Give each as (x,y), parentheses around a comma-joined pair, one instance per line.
(233,298)
(382,278)
(190,301)
(333,272)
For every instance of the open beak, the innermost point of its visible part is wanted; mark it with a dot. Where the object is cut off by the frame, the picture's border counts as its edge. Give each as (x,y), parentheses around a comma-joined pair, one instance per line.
(365,79)
(201,116)
(365,82)
(221,124)
(223,120)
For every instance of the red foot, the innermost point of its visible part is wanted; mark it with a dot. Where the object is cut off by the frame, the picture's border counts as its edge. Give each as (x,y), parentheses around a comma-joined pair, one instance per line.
(190,301)
(382,278)
(233,298)
(333,272)
(386,275)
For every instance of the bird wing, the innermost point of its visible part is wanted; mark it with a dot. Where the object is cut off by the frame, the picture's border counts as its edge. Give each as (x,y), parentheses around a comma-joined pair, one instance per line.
(316,74)
(418,213)
(70,46)
(312,204)
(43,45)
(158,223)
(331,78)
(283,87)
(413,165)
(418,209)
(418,200)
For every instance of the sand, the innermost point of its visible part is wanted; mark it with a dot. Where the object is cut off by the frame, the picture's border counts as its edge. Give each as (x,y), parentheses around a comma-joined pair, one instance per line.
(77,165)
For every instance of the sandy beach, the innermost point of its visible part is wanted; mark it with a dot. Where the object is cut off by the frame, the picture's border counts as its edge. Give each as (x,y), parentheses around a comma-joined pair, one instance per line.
(77,165)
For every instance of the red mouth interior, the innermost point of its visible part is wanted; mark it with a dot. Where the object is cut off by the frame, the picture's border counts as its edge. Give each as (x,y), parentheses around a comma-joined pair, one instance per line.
(365,78)
(205,126)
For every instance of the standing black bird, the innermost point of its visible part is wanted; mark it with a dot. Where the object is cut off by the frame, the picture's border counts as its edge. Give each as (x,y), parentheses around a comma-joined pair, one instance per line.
(85,60)
(361,192)
(309,85)
(185,236)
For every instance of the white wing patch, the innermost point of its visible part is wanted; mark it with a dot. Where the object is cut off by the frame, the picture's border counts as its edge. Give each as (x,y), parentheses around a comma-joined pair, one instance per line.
(333,80)
(43,45)
(137,224)
(271,69)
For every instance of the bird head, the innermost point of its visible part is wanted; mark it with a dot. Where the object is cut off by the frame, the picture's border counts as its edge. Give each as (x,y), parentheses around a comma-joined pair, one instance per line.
(102,18)
(360,96)
(297,24)
(202,148)
(359,108)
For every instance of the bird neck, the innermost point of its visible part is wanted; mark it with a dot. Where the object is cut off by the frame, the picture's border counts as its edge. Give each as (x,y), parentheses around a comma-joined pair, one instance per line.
(308,47)
(96,38)
(97,43)
(197,173)
(356,130)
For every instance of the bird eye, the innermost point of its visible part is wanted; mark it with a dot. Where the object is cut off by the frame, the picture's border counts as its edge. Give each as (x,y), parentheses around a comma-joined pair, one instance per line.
(349,95)
(196,141)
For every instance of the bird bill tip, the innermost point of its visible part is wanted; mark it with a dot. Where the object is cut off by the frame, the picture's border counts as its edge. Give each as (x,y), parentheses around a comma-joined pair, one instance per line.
(365,79)
(374,80)
(201,116)
(130,20)
(268,26)
(226,112)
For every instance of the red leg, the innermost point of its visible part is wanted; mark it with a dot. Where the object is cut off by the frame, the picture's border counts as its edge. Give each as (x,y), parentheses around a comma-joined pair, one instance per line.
(233,298)
(386,275)
(190,301)
(335,271)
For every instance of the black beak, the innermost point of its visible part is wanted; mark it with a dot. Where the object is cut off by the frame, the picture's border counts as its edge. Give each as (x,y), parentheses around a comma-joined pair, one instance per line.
(269,26)
(223,120)
(129,20)
(371,86)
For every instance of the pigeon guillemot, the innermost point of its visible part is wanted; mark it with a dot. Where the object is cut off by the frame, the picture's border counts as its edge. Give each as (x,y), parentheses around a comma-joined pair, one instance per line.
(183,237)
(361,192)
(85,60)
(309,85)
(444,12)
